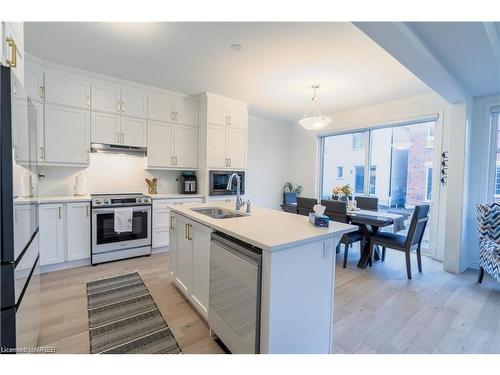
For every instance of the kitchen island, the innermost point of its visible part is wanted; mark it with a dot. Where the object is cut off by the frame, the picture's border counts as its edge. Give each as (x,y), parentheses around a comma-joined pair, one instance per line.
(296,274)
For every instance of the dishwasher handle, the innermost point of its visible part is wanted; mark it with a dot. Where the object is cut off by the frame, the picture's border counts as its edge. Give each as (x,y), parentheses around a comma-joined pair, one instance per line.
(239,248)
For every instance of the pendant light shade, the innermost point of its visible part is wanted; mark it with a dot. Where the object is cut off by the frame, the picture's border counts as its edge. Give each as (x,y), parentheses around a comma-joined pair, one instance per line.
(313,119)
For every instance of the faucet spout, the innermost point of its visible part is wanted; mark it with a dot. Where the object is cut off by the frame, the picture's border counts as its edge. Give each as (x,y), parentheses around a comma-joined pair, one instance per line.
(239,201)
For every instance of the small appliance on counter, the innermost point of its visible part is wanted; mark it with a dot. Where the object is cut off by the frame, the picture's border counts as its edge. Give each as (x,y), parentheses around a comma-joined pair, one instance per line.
(80,185)
(187,183)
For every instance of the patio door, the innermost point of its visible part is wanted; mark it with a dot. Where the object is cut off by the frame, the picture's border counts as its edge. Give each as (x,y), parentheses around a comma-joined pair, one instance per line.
(398,164)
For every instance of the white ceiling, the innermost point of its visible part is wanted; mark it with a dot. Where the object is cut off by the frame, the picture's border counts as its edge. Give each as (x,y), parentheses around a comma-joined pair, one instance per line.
(469,50)
(273,72)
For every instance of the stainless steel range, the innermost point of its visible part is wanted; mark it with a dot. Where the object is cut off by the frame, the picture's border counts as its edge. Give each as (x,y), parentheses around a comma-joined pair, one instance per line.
(110,243)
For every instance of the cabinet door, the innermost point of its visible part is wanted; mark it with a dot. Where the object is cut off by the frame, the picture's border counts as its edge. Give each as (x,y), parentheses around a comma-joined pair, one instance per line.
(106,98)
(20,128)
(134,131)
(67,135)
(78,231)
(237,148)
(160,144)
(186,146)
(33,80)
(201,266)
(237,117)
(186,112)
(40,130)
(51,233)
(184,254)
(105,128)
(68,89)
(216,146)
(22,227)
(161,224)
(160,108)
(13,43)
(134,103)
(216,111)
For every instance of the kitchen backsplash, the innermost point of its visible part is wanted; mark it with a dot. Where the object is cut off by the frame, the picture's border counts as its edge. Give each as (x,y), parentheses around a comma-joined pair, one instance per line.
(106,174)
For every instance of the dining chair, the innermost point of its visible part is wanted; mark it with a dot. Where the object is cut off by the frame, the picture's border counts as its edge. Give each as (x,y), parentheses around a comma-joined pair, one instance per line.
(305,205)
(367,203)
(337,211)
(407,243)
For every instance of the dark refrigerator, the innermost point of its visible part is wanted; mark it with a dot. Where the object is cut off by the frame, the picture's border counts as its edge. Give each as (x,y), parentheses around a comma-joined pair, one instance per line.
(19,257)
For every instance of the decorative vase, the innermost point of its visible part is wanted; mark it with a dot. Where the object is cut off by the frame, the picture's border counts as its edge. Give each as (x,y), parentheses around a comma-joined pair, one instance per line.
(152,184)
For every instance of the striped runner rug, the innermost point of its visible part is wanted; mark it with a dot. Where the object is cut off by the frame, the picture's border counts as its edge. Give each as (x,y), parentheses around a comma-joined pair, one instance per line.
(124,318)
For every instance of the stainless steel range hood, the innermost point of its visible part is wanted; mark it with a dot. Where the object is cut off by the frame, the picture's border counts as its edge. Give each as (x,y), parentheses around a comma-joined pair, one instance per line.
(118,149)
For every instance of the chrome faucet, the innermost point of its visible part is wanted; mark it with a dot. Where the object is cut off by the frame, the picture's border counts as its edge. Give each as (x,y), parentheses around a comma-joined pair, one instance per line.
(239,201)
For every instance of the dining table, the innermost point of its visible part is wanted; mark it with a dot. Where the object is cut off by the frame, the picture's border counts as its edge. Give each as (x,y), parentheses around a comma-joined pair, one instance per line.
(370,223)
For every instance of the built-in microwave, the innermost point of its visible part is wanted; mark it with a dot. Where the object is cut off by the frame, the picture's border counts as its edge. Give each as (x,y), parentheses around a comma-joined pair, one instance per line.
(218,182)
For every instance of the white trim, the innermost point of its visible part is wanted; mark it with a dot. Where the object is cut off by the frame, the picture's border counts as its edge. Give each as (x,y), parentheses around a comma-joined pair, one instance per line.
(491,111)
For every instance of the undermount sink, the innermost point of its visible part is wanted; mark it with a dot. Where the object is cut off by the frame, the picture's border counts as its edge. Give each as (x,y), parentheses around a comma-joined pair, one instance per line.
(218,213)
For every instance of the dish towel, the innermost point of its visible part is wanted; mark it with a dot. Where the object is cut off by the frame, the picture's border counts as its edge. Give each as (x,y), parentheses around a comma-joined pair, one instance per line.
(123,220)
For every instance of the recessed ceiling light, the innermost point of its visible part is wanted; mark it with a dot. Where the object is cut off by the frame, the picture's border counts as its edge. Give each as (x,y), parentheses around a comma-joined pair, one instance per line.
(236,47)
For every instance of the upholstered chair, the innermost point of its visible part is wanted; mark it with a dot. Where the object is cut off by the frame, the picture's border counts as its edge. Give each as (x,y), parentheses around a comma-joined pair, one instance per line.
(489,240)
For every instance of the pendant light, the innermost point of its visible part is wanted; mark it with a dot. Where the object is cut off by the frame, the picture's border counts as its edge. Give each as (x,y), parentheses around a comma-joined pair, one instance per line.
(313,119)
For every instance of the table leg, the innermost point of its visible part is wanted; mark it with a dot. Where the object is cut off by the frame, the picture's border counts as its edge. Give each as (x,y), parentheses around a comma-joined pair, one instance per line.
(376,250)
(365,254)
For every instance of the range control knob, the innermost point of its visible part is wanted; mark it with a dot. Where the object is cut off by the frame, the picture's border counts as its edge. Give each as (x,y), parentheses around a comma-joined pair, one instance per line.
(138,200)
(145,200)
(107,201)
(98,201)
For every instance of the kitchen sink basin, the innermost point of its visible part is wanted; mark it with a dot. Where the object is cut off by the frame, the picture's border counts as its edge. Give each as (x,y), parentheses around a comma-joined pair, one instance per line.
(218,213)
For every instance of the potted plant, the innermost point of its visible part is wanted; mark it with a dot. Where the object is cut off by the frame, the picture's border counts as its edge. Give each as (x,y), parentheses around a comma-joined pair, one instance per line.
(290,193)
(342,192)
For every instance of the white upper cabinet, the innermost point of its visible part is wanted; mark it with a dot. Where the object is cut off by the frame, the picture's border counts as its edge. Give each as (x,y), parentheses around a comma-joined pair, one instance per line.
(237,149)
(186,112)
(160,144)
(106,97)
(67,135)
(134,103)
(161,107)
(12,48)
(34,80)
(133,132)
(67,89)
(225,133)
(216,146)
(105,128)
(186,147)
(78,231)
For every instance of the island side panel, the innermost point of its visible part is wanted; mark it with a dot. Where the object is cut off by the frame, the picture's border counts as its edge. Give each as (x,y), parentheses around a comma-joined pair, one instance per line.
(297,298)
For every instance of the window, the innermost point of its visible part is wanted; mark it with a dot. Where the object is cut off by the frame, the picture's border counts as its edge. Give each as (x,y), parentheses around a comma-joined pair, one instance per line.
(428,184)
(359,179)
(495,121)
(340,172)
(358,141)
(430,137)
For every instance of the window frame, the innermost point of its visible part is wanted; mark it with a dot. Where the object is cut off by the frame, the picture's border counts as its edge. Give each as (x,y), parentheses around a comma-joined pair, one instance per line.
(493,115)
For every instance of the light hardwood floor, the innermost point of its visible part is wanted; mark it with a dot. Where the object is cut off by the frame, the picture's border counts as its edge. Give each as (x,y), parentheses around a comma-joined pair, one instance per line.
(376,310)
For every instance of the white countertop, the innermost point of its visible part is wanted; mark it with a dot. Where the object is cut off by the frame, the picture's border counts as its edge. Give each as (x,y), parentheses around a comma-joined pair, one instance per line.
(54,199)
(174,196)
(265,228)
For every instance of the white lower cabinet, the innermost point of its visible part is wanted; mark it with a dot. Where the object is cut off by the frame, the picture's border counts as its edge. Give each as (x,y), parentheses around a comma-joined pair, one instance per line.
(78,231)
(51,223)
(190,260)
(64,232)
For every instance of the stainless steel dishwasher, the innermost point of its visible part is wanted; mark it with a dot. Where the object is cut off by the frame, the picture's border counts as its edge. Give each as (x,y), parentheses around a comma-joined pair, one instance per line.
(234,300)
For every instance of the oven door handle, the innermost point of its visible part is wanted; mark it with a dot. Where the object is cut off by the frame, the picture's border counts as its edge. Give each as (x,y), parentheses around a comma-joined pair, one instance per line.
(111,210)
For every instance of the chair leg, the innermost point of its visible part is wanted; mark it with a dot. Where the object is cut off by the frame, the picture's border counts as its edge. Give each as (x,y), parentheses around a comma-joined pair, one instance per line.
(408,265)
(383,253)
(419,259)
(481,275)
(337,249)
(346,251)
(370,256)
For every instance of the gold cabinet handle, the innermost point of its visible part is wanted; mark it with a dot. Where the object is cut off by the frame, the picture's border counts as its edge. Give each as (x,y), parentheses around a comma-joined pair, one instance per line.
(13,49)
(42,153)
(87,211)
(118,106)
(190,236)
(88,155)
(229,161)
(59,208)
(186,231)
(123,137)
(42,92)
(88,101)
(171,222)
(15,152)
(123,106)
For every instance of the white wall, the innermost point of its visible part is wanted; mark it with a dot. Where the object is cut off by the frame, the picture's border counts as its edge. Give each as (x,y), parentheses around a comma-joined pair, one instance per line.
(268,161)
(107,174)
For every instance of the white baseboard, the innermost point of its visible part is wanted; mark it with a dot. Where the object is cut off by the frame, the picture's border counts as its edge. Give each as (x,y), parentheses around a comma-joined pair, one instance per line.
(65,265)
(160,249)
